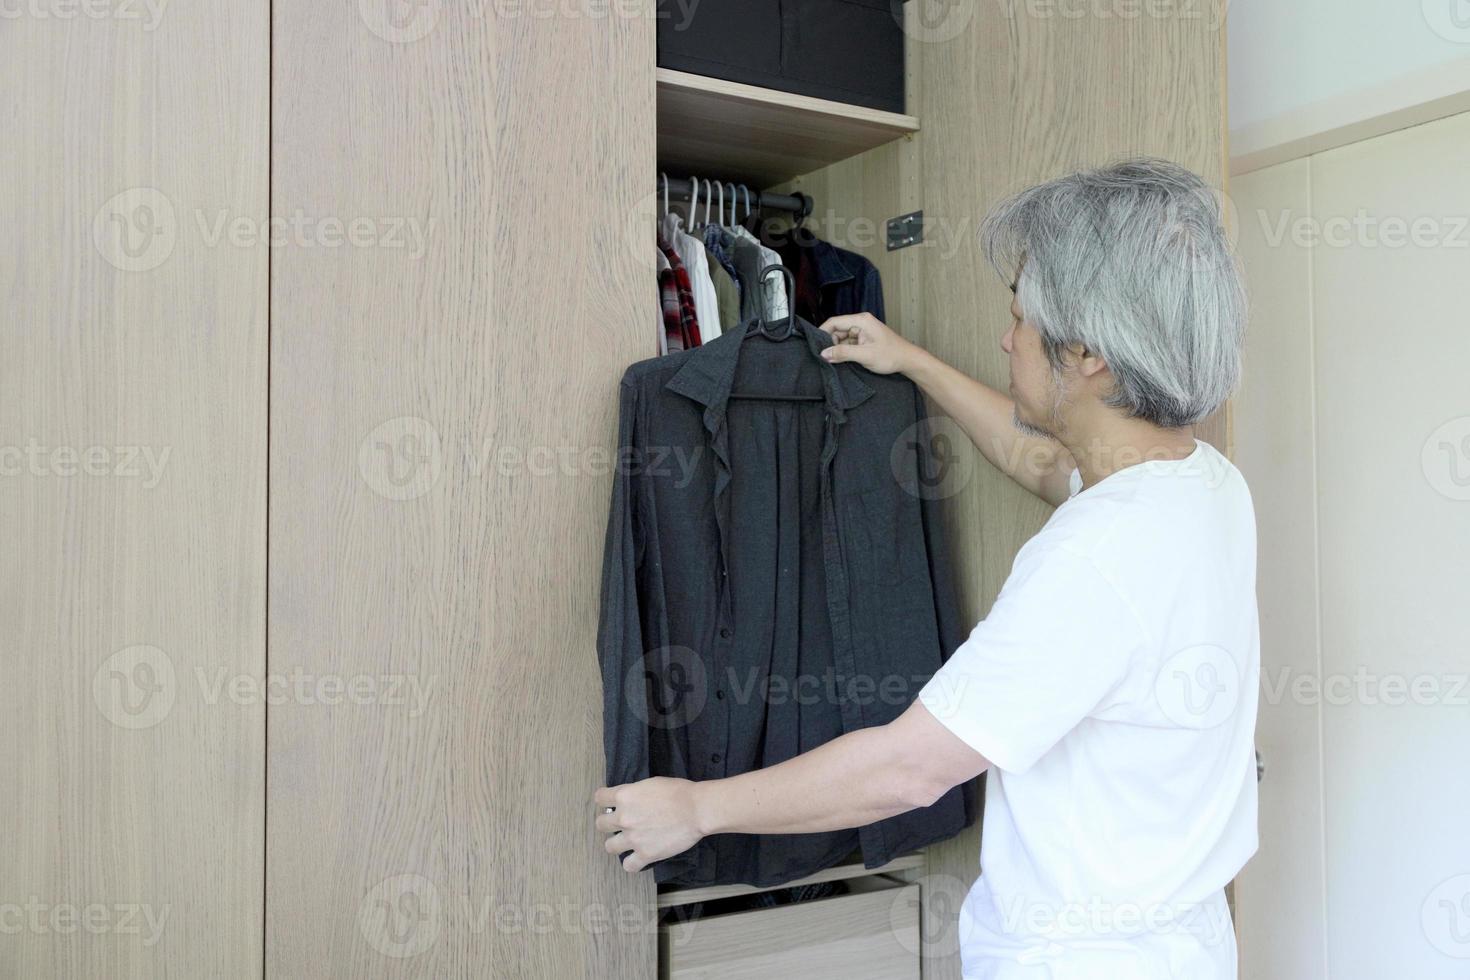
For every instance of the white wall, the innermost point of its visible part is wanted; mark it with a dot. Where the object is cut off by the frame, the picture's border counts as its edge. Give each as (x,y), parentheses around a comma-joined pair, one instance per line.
(1353,428)
(1288,54)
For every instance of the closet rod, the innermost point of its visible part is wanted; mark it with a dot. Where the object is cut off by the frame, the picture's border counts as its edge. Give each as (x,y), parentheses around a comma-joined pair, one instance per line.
(682,189)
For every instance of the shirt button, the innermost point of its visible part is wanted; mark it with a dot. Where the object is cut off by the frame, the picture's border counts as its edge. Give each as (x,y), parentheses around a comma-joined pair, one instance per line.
(715,757)
(720,695)
(725,631)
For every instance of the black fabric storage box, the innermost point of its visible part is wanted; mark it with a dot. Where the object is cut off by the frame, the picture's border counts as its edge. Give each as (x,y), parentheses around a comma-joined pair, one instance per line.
(845,50)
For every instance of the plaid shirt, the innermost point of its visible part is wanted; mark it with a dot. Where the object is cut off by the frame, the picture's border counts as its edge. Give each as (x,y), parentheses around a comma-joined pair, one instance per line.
(677,296)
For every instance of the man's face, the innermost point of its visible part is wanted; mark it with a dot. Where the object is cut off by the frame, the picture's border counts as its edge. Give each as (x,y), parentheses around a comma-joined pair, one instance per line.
(1031,384)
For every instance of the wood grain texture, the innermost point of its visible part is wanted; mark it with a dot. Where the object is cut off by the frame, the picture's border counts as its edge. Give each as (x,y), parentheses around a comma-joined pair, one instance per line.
(1014,95)
(441,431)
(132,489)
(727,130)
(871,934)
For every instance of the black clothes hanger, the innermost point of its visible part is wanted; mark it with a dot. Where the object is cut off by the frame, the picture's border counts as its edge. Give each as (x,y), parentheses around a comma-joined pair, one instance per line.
(777,331)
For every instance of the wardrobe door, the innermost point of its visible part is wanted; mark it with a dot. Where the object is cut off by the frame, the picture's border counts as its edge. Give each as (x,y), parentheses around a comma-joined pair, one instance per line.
(1010,95)
(465,280)
(132,488)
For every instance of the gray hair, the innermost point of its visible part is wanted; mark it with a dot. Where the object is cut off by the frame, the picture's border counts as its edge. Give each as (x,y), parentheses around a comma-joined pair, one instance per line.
(1133,262)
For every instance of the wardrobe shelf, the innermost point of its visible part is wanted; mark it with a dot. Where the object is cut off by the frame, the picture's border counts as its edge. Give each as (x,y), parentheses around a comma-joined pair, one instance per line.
(841,872)
(731,131)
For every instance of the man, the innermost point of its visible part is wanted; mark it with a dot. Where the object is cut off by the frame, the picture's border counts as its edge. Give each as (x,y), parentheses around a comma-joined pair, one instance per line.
(1110,691)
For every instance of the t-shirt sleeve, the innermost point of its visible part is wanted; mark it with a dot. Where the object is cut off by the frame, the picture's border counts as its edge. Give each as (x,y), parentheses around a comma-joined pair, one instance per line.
(1059,638)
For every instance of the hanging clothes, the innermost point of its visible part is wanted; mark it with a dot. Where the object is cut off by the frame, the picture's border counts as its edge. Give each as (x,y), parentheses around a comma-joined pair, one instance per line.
(661,264)
(696,265)
(830,281)
(680,322)
(751,256)
(775,574)
(727,293)
(716,238)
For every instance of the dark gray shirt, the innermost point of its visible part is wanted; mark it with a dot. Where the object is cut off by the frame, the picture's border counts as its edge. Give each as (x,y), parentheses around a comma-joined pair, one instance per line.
(775,575)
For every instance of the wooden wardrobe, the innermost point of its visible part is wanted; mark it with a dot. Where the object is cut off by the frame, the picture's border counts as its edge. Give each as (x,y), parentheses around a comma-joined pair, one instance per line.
(392,268)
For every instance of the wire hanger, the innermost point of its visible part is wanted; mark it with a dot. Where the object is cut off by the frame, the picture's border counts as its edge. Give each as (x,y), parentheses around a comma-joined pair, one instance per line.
(784,328)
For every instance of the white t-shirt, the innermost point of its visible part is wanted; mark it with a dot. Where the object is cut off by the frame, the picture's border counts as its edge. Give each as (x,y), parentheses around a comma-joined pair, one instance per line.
(1113,688)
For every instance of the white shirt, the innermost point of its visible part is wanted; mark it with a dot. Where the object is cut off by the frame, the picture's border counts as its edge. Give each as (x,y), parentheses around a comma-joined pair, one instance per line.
(774,286)
(696,262)
(1113,687)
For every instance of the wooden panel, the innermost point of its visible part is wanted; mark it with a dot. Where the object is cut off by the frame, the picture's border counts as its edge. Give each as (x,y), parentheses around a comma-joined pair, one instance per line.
(730,131)
(840,872)
(869,935)
(443,407)
(132,489)
(1010,95)
(1282,922)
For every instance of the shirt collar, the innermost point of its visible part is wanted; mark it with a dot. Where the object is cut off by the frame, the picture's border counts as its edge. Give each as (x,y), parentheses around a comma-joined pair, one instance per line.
(709,371)
(831,268)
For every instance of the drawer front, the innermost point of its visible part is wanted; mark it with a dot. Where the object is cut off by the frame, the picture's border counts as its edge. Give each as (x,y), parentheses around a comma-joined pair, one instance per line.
(873,934)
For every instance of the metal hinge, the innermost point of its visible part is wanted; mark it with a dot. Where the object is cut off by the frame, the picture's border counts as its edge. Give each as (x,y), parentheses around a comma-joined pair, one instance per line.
(905,230)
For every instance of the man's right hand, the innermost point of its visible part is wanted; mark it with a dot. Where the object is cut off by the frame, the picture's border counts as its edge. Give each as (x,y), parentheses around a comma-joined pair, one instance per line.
(864,339)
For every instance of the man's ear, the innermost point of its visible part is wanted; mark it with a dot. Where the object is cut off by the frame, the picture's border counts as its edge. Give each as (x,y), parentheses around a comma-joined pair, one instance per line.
(1090,363)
